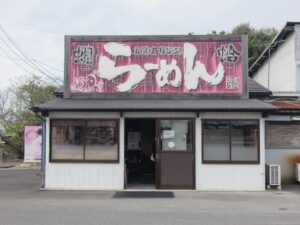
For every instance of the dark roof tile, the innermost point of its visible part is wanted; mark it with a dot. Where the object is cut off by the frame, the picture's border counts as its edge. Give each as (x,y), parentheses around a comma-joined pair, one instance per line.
(61,104)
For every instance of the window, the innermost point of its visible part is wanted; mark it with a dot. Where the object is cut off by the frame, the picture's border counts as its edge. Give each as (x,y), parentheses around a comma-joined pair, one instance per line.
(230,141)
(282,134)
(67,140)
(244,140)
(101,140)
(176,135)
(216,140)
(84,140)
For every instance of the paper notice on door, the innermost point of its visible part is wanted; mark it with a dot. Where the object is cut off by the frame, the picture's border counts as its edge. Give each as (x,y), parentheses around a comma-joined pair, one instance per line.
(133,140)
(167,134)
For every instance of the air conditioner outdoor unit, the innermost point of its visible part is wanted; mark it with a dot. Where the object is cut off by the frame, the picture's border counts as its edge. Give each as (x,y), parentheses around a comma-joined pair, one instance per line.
(297,172)
(273,176)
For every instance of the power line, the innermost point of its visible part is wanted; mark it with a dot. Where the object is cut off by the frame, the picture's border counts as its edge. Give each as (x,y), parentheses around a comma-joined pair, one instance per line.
(51,67)
(21,50)
(19,65)
(19,59)
(45,64)
(29,61)
(26,55)
(32,30)
(14,61)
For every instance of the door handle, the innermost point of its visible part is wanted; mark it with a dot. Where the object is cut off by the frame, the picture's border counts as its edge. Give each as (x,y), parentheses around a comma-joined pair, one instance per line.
(157,157)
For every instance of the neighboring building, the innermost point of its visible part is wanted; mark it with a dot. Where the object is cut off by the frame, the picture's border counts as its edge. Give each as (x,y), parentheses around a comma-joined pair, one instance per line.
(278,69)
(164,112)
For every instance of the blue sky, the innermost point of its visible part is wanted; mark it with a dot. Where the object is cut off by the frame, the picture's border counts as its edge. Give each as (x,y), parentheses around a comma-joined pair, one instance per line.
(39,26)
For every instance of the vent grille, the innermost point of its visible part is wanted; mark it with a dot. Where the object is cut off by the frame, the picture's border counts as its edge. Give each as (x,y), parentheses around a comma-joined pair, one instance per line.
(273,175)
(297,172)
(274,178)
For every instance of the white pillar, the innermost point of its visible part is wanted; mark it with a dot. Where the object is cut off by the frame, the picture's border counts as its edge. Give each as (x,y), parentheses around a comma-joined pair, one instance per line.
(198,152)
(262,150)
(122,148)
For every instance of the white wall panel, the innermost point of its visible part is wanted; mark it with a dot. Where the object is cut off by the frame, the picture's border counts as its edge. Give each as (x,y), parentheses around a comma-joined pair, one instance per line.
(229,177)
(286,158)
(85,176)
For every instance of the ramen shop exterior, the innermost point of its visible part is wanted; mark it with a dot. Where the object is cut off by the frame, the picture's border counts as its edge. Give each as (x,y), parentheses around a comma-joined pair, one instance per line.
(157,112)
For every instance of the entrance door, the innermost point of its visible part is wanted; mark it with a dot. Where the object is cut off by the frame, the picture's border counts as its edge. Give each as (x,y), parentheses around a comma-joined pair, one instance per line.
(140,153)
(175,154)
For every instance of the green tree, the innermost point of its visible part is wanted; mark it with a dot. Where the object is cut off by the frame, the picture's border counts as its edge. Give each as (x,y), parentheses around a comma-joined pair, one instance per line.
(16,102)
(258,39)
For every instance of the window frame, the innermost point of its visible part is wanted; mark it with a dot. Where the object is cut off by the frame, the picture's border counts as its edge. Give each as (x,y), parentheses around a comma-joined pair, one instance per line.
(158,130)
(51,160)
(230,161)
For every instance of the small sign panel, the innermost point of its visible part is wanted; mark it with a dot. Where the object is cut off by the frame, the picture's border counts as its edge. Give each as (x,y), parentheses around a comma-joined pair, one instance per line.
(134,139)
(32,143)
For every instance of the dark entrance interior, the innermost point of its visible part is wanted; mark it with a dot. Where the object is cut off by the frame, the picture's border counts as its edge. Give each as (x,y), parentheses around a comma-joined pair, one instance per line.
(140,153)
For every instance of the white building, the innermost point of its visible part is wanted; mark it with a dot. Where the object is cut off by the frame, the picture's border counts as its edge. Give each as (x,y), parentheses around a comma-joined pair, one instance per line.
(278,69)
(164,112)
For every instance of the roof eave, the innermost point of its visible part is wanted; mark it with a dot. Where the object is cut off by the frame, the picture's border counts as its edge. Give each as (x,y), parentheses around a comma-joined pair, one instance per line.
(161,110)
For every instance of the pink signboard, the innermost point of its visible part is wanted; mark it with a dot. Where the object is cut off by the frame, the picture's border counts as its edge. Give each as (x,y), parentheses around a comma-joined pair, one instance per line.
(32,143)
(156,67)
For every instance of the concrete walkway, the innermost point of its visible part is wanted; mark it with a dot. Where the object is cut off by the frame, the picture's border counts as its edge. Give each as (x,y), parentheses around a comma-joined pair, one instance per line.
(22,203)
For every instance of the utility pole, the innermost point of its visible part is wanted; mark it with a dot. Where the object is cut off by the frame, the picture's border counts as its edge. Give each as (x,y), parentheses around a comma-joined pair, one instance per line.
(1,153)
(2,164)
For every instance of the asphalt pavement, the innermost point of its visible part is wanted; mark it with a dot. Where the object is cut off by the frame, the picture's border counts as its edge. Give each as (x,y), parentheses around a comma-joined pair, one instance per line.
(23,203)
